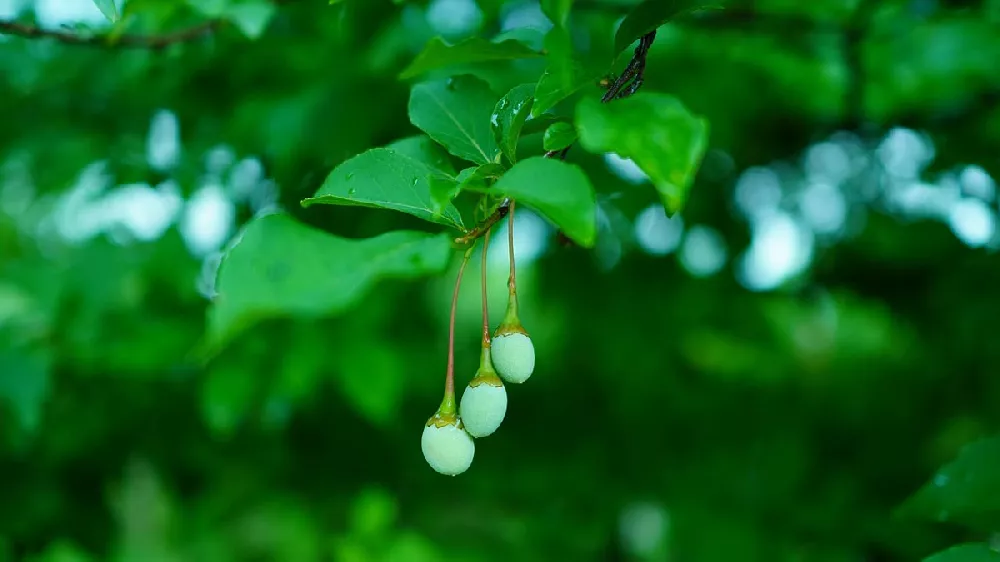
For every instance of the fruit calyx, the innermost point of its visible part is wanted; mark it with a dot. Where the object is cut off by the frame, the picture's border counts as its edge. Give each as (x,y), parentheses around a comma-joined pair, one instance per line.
(511,323)
(447,413)
(486,373)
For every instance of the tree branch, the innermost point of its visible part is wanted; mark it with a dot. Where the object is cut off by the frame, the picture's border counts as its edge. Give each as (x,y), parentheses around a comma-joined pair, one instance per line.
(622,87)
(625,85)
(152,42)
(482,228)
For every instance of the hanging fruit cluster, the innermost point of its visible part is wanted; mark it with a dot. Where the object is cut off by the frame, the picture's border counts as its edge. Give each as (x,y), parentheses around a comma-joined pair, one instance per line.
(448,441)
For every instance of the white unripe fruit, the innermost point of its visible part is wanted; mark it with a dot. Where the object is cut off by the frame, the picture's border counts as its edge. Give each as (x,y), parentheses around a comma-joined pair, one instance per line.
(483,407)
(513,356)
(449,449)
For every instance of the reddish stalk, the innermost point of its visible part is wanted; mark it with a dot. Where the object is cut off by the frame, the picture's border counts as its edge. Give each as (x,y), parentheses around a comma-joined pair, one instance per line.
(448,404)
(486,313)
(512,281)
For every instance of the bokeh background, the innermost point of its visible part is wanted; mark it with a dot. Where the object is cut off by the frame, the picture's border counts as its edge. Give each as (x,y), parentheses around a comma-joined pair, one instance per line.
(764,377)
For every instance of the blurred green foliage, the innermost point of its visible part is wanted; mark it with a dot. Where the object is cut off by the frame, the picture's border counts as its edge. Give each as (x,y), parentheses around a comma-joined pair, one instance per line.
(685,406)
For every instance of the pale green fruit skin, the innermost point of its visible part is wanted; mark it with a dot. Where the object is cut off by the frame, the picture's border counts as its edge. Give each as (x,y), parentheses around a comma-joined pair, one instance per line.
(483,408)
(449,449)
(513,357)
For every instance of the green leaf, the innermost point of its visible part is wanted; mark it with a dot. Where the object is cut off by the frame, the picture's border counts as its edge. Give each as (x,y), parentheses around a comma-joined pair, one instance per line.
(386,179)
(651,14)
(443,191)
(456,113)
(656,131)
(438,54)
(109,9)
(210,8)
(373,379)
(538,124)
(532,37)
(965,490)
(227,394)
(428,152)
(480,177)
(59,550)
(509,116)
(565,73)
(559,136)
(559,191)
(373,513)
(280,267)
(251,16)
(969,552)
(24,383)
(557,11)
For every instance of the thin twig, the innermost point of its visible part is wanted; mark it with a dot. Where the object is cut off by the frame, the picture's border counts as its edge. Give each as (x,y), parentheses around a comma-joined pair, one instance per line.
(152,42)
(631,79)
(625,85)
(484,227)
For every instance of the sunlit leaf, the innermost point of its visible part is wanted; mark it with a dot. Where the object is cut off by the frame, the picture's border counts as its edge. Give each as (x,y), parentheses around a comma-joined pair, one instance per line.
(456,113)
(656,131)
(438,54)
(386,179)
(509,116)
(559,191)
(281,267)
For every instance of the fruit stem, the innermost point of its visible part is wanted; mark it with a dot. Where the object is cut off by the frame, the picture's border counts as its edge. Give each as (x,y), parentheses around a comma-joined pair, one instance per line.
(486,363)
(486,312)
(512,281)
(448,403)
(510,317)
